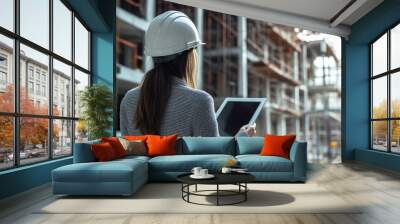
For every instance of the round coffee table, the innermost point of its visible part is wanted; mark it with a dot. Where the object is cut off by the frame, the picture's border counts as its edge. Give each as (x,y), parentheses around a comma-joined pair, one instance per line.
(238,179)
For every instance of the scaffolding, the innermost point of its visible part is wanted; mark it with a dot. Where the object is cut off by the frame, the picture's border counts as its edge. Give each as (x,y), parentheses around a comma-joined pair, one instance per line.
(324,83)
(220,55)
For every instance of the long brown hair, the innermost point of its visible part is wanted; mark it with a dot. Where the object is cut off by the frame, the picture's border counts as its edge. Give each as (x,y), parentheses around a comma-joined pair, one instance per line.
(156,87)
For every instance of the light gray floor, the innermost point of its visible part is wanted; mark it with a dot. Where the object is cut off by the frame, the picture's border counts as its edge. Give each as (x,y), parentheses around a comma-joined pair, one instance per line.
(379,189)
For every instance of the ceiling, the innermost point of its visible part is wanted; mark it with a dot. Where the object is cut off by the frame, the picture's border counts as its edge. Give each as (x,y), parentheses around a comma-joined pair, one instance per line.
(326,16)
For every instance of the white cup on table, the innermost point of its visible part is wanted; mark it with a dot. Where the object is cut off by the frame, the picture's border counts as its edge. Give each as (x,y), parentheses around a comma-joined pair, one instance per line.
(203,172)
(196,171)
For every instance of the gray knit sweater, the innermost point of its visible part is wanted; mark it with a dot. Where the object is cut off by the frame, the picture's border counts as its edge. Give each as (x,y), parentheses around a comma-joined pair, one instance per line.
(189,112)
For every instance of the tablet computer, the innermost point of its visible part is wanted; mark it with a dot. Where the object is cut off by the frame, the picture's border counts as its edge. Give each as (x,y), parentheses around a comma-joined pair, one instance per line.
(234,113)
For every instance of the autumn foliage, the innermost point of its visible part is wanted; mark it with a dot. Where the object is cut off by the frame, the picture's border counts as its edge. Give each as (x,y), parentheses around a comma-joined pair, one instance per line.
(33,131)
(380,127)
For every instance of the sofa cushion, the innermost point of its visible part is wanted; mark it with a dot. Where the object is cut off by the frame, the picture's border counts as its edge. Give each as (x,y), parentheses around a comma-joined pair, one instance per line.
(112,171)
(133,158)
(136,137)
(161,145)
(275,145)
(207,145)
(185,163)
(135,147)
(116,145)
(103,152)
(257,163)
(249,145)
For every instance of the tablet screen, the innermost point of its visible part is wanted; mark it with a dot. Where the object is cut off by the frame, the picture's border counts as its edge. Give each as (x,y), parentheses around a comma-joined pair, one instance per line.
(235,115)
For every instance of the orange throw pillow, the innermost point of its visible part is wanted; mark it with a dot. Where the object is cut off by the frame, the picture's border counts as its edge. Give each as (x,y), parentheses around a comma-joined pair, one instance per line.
(277,145)
(103,152)
(116,145)
(161,145)
(136,137)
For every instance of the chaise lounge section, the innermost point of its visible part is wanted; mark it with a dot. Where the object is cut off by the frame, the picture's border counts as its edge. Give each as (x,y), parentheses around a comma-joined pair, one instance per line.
(125,176)
(88,177)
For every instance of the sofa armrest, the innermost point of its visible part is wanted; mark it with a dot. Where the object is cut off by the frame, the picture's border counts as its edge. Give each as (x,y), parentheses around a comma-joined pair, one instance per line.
(83,152)
(298,155)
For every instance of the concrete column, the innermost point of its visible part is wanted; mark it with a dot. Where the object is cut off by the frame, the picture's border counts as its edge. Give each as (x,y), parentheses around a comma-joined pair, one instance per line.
(242,45)
(304,63)
(282,125)
(297,98)
(297,126)
(128,55)
(150,14)
(268,128)
(199,16)
(296,65)
(306,97)
(296,77)
(282,94)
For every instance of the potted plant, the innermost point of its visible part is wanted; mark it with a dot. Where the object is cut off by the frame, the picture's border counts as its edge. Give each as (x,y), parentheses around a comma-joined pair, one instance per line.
(96,102)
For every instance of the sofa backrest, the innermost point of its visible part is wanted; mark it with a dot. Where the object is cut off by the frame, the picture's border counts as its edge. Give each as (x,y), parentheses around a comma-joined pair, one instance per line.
(83,152)
(206,145)
(193,146)
(249,145)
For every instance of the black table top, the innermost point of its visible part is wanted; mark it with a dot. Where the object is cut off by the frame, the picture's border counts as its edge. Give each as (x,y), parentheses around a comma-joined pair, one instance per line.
(220,178)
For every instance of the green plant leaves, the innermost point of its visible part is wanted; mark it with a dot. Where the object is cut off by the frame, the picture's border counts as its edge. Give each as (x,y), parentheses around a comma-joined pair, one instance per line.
(97,104)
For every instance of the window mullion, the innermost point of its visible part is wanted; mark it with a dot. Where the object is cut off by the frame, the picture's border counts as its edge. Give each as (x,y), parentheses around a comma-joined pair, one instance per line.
(50,81)
(16,84)
(389,101)
(371,140)
(73,82)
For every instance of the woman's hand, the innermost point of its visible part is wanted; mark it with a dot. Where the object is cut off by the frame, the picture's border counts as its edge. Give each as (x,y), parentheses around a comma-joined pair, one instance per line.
(249,130)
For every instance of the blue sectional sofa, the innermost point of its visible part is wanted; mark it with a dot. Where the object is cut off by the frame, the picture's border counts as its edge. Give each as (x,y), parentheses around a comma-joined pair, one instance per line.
(125,176)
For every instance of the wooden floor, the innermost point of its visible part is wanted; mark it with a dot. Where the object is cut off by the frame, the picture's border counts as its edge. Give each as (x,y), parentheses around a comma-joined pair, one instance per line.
(379,189)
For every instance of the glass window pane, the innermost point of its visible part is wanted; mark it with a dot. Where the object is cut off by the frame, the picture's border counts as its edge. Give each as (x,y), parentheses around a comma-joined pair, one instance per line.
(62,138)
(379,135)
(7,14)
(379,55)
(6,74)
(35,21)
(395,135)
(81,81)
(62,29)
(6,142)
(33,140)
(81,45)
(62,89)
(395,94)
(395,47)
(81,131)
(379,97)
(34,96)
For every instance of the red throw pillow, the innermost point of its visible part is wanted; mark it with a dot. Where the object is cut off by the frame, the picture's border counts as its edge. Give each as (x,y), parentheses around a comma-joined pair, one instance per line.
(103,152)
(161,145)
(277,145)
(136,137)
(116,145)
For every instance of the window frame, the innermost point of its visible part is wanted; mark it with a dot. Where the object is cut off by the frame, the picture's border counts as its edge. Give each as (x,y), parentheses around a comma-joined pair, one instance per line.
(16,115)
(388,74)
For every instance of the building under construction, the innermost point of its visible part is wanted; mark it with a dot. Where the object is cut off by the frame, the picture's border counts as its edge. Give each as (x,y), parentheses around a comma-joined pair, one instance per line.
(248,58)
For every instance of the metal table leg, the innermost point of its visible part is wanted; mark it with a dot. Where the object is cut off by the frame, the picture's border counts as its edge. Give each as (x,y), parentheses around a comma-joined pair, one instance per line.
(245,194)
(217,194)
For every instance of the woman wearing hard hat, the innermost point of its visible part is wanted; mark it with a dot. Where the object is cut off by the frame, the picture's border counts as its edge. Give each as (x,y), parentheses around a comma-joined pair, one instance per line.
(167,102)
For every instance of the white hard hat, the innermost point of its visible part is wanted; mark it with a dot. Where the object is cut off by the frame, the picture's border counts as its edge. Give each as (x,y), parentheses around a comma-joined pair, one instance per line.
(170,33)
